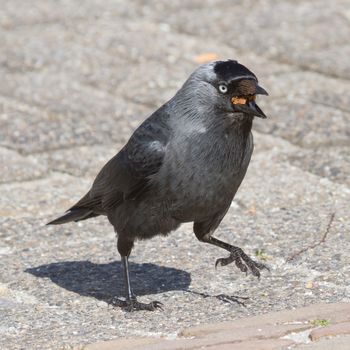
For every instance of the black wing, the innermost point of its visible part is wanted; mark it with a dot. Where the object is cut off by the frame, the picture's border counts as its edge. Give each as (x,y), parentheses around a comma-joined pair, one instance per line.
(126,176)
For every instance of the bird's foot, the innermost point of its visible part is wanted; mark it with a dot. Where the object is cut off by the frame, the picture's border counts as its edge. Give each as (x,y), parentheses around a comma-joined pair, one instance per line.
(130,305)
(242,261)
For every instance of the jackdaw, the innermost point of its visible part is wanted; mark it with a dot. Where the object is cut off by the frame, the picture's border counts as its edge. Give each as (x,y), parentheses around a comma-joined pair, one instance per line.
(182,164)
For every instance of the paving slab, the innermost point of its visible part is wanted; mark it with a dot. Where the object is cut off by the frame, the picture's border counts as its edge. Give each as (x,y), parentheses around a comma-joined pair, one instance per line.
(77,79)
(35,128)
(279,330)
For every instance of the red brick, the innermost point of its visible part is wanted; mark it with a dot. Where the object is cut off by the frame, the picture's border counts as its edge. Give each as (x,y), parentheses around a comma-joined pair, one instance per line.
(268,344)
(330,331)
(122,344)
(335,313)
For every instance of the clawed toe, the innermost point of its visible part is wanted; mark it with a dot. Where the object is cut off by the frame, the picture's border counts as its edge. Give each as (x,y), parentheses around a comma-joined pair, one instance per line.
(223,261)
(116,302)
(134,305)
(241,265)
(154,305)
(243,262)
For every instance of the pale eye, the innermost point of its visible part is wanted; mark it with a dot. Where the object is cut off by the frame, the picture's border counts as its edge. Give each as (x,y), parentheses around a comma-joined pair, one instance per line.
(223,88)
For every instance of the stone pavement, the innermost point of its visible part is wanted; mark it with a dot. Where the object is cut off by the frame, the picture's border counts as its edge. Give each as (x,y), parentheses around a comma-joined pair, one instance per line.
(320,326)
(77,77)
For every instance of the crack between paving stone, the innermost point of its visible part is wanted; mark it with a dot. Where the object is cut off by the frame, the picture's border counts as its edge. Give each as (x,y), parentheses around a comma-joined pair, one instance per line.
(12,149)
(23,69)
(345,110)
(306,68)
(256,337)
(58,172)
(276,59)
(48,150)
(62,148)
(299,69)
(46,109)
(315,244)
(26,180)
(66,172)
(153,105)
(177,30)
(330,144)
(62,21)
(148,105)
(243,52)
(47,176)
(333,182)
(72,146)
(344,143)
(5,183)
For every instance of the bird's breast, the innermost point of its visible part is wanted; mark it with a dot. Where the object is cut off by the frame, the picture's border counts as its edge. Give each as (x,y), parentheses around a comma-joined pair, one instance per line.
(201,175)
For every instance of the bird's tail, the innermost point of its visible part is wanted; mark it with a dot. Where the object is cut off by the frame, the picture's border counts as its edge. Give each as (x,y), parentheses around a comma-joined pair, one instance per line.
(73,214)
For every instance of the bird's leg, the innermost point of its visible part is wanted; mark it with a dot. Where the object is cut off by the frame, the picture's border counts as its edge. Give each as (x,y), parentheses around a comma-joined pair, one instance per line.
(237,255)
(130,303)
(129,293)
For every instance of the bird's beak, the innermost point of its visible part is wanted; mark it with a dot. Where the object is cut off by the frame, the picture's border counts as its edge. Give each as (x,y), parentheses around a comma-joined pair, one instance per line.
(261,91)
(249,106)
(258,112)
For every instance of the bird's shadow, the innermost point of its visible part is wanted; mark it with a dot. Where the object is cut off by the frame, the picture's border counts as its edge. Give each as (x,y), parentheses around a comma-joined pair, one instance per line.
(104,281)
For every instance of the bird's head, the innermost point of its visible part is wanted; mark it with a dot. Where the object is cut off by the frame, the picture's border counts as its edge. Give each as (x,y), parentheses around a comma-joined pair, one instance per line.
(226,86)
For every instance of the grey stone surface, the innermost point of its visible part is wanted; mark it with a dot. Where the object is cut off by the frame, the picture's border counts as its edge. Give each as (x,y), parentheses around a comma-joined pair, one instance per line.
(36,197)
(309,85)
(327,162)
(84,161)
(31,129)
(77,79)
(16,167)
(306,124)
(329,61)
(269,28)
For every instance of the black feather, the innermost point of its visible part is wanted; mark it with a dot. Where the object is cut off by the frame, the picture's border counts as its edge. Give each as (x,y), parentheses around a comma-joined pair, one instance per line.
(226,70)
(73,215)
